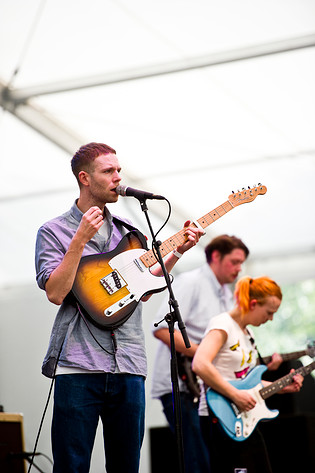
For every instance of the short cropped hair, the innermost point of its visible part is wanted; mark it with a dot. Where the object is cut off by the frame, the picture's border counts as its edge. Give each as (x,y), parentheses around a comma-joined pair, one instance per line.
(85,156)
(225,244)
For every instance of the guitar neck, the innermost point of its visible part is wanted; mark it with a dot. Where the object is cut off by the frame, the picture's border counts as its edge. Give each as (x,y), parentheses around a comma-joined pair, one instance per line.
(149,259)
(281,383)
(286,356)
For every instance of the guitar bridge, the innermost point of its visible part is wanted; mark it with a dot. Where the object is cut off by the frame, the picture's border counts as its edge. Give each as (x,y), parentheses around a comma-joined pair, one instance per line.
(113,282)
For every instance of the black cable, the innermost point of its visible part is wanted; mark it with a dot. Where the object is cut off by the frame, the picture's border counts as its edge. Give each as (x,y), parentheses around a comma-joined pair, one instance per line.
(95,339)
(52,383)
(161,228)
(43,416)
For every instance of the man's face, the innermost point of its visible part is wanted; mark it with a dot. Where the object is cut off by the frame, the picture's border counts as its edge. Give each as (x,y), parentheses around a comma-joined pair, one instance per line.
(227,268)
(103,178)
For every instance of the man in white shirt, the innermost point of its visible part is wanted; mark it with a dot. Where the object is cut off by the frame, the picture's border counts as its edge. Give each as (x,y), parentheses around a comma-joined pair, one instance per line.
(201,293)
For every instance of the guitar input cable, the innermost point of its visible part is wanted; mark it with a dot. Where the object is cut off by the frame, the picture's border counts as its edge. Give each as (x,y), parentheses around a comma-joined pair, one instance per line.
(114,341)
(31,459)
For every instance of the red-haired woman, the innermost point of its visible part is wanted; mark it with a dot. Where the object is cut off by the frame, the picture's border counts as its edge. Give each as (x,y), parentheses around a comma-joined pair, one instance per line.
(228,353)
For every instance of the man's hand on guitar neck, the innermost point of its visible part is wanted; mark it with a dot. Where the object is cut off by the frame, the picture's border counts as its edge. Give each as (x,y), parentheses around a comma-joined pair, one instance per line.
(193,235)
(275,362)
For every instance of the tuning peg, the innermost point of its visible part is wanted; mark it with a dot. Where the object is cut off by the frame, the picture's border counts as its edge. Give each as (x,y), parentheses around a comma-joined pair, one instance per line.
(233,192)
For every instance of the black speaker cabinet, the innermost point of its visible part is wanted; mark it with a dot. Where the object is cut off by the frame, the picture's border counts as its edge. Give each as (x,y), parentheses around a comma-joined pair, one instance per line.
(11,443)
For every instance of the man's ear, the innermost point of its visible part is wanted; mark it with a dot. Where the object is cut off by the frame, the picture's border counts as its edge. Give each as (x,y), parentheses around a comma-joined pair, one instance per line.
(216,256)
(83,178)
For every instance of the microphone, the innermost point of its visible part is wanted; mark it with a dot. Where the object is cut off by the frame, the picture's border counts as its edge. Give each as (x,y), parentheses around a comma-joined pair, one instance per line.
(140,195)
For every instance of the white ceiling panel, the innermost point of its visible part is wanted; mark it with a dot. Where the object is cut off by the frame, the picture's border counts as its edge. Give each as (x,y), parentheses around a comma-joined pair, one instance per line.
(198,98)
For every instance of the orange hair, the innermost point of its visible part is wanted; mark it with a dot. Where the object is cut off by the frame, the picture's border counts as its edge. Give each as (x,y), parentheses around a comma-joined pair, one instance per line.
(247,289)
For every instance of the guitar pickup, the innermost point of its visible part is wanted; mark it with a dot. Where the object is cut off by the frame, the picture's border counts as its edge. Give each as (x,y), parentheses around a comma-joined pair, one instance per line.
(113,282)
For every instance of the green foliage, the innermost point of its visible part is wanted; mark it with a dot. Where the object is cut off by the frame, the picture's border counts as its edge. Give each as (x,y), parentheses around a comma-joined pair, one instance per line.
(293,325)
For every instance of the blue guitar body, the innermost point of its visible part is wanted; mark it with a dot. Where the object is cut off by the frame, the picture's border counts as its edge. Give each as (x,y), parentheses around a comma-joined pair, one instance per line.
(240,425)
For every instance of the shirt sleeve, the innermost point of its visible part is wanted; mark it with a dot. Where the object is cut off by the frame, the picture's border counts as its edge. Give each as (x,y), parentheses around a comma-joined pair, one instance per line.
(219,322)
(49,252)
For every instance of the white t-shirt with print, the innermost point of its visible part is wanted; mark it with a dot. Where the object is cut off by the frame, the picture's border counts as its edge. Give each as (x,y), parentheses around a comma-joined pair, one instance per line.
(236,357)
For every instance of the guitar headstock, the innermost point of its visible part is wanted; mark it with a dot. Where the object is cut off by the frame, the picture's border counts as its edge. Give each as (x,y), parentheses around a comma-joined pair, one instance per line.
(247,195)
(310,351)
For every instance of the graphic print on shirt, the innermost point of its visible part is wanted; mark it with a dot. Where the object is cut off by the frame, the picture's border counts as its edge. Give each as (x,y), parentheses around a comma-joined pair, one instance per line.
(242,373)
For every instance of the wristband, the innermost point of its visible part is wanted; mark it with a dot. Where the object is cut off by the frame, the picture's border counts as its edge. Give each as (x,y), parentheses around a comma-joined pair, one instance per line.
(177,254)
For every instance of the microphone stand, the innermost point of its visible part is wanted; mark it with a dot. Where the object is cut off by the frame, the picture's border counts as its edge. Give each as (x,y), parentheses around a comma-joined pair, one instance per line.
(171,318)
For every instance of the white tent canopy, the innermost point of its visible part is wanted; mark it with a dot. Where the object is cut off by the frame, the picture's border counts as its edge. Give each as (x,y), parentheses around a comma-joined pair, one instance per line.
(198,98)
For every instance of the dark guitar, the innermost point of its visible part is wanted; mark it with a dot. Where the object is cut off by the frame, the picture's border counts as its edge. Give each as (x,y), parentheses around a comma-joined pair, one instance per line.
(187,375)
(310,351)
(109,286)
(239,425)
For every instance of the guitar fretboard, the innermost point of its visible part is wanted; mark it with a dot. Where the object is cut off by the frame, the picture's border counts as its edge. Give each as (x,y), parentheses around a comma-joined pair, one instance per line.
(149,259)
(281,383)
(287,356)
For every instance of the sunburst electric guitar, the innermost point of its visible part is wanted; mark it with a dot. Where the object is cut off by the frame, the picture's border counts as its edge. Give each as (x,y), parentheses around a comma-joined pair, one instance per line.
(109,286)
(239,425)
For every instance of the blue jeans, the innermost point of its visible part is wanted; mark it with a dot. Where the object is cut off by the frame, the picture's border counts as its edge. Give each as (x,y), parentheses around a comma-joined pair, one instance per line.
(79,401)
(196,456)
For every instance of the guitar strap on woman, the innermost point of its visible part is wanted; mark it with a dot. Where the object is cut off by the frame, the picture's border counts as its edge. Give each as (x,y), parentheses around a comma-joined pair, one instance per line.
(252,340)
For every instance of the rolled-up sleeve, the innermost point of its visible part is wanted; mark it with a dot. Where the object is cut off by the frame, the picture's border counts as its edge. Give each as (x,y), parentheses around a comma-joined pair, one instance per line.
(49,253)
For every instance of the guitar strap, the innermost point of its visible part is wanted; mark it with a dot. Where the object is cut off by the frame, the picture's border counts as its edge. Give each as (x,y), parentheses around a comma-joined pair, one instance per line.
(252,340)
(124,224)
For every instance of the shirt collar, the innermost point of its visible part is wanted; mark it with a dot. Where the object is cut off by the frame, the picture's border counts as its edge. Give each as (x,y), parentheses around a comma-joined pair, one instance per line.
(77,214)
(219,289)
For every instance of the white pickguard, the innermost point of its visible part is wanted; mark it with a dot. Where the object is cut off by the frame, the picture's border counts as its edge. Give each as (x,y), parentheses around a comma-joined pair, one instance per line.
(136,277)
(251,418)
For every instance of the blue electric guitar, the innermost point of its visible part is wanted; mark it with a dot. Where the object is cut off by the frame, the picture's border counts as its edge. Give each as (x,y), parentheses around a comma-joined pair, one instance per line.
(239,425)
